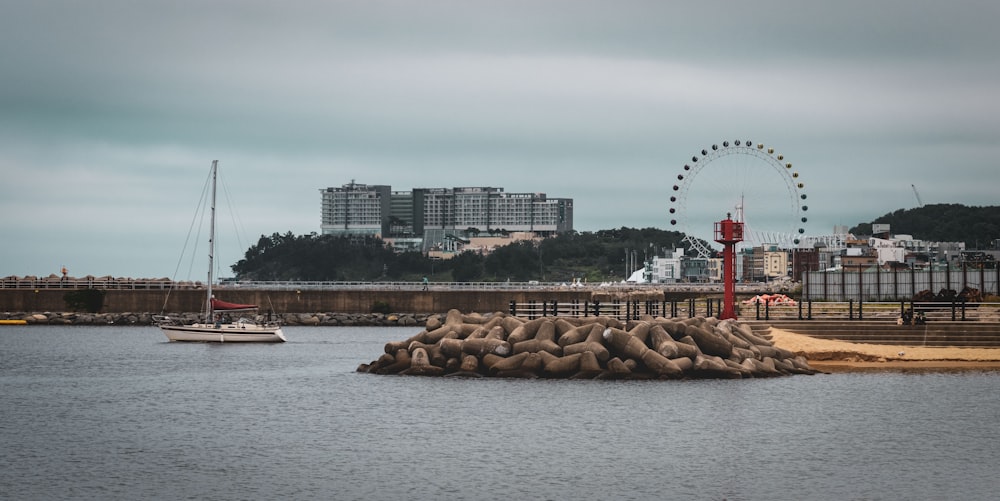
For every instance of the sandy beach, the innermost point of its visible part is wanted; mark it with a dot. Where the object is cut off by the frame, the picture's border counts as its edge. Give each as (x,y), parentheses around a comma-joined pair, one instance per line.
(840,356)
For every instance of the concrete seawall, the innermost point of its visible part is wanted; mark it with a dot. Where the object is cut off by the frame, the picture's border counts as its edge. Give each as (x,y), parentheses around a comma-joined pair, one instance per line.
(308,307)
(311,301)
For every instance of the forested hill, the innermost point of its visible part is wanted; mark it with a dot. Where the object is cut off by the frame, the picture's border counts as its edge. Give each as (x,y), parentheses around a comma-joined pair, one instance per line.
(593,256)
(976,226)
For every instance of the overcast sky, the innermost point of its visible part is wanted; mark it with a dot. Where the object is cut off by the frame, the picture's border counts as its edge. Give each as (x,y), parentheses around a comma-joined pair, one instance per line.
(111,112)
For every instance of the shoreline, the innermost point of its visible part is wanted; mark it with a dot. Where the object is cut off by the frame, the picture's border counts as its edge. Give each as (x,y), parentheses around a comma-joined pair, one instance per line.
(840,366)
(840,356)
(328,319)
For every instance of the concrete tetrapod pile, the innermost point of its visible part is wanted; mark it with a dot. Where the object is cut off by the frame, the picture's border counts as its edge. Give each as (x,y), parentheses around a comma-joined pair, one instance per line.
(499,345)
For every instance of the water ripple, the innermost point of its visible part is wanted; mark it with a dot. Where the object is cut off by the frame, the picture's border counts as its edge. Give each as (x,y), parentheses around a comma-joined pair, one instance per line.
(116,413)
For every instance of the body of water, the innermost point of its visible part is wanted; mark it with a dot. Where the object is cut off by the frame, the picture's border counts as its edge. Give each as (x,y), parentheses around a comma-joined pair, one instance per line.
(119,413)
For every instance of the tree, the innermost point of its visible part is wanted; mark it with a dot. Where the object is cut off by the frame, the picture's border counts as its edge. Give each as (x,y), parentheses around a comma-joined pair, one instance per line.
(941,223)
(518,261)
(312,257)
(466,267)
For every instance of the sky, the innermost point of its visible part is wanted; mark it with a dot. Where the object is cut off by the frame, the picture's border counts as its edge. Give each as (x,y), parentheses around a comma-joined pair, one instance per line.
(111,112)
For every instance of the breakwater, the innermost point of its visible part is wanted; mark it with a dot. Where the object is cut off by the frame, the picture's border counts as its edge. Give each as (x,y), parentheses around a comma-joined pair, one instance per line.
(305,300)
(138,306)
(501,345)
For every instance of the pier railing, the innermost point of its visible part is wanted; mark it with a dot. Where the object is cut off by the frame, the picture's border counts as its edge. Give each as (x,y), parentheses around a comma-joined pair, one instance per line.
(626,310)
(620,309)
(113,283)
(110,283)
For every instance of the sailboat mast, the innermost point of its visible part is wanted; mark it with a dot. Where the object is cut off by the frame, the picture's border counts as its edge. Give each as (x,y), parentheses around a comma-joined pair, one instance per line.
(211,245)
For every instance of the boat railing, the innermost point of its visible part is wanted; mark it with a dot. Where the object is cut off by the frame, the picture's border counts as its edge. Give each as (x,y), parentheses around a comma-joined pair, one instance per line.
(166,320)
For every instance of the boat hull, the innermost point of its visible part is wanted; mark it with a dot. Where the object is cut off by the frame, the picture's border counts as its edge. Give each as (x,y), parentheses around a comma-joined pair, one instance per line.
(226,333)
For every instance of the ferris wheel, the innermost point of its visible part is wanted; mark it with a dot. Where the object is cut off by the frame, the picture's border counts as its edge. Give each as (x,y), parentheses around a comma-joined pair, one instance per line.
(750,183)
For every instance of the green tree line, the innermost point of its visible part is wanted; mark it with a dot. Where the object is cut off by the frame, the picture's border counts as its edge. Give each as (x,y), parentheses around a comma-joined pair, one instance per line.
(592,256)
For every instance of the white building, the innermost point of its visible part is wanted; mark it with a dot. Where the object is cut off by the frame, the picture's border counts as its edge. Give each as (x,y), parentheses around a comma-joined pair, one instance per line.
(889,250)
(664,270)
(776,264)
(354,209)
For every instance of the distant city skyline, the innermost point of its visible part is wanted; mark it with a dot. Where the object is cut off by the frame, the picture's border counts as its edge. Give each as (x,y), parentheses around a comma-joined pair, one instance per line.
(111,112)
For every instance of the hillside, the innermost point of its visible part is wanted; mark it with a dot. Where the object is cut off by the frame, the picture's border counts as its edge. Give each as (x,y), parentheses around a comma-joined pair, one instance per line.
(978,227)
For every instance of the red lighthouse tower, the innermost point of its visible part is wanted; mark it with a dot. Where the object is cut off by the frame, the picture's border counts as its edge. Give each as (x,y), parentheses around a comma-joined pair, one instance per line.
(729,233)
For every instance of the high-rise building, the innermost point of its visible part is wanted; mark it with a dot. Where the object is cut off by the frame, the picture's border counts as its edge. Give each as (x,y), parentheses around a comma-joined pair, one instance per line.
(435,213)
(355,209)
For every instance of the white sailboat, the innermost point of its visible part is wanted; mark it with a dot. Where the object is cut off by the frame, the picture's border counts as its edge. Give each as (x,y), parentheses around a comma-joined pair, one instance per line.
(218,326)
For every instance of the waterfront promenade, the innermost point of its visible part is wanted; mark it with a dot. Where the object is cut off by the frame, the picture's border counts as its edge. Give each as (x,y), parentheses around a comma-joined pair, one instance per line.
(31,294)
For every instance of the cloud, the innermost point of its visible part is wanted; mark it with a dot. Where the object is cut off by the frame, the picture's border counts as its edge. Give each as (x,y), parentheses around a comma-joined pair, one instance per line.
(112,111)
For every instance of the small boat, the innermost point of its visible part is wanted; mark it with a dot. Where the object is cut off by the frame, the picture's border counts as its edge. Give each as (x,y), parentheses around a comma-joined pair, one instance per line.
(224,329)
(218,325)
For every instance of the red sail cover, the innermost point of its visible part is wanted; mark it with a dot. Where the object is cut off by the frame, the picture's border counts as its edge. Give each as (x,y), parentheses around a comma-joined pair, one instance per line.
(222,305)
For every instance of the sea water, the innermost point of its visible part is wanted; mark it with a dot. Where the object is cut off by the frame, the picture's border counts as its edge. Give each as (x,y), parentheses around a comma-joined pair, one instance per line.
(120,413)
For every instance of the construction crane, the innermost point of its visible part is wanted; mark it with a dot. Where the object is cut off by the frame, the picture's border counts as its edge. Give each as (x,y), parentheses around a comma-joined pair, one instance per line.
(920,203)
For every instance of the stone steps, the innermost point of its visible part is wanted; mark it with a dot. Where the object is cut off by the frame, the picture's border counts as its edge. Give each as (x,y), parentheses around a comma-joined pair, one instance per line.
(934,333)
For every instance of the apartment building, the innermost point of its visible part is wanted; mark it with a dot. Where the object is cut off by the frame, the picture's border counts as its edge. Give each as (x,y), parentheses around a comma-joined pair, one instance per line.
(355,209)
(437,215)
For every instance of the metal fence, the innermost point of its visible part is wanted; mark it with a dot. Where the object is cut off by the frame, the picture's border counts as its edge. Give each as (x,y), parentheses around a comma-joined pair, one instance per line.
(623,310)
(889,311)
(110,283)
(888,285)
(955,311)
